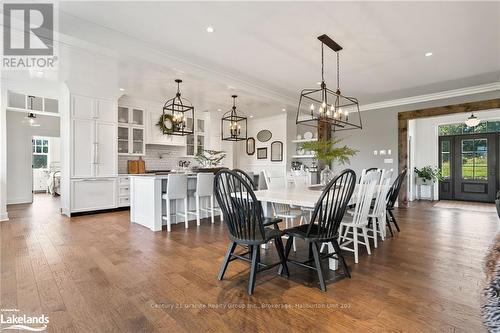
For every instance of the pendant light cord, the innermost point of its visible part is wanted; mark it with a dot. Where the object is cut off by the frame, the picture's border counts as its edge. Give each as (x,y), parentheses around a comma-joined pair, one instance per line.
(338,71)
(322,64)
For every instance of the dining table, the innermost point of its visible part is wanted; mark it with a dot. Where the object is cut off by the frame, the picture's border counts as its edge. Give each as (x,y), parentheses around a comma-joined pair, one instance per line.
(300,197)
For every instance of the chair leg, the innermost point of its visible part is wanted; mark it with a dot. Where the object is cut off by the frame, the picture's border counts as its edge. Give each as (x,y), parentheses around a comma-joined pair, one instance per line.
(367,243)
(340,257)
(281,253)
(212,208)
(355,242)
(375,232)
(289,243)
(186,213)
(311,250)
(197,199)
(253,268)
(294,245)
(394,220)
(169,222)
(388,223)
(230,250)
(317,260)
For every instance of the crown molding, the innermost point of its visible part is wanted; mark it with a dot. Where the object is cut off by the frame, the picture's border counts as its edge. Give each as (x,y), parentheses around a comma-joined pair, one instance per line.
(432,97)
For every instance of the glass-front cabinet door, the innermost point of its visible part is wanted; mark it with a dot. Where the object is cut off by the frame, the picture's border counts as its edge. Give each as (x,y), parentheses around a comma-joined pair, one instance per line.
(123,140)
(131,135)
(137,141)
(196,143)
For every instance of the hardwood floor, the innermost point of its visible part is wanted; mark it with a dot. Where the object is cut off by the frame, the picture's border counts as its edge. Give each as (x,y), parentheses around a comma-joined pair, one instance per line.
(99,273)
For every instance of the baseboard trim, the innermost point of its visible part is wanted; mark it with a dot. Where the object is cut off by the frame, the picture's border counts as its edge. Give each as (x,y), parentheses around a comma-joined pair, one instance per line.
(4,217)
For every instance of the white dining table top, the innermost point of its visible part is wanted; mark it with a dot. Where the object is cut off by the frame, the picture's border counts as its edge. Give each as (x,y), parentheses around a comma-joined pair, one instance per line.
(302,196)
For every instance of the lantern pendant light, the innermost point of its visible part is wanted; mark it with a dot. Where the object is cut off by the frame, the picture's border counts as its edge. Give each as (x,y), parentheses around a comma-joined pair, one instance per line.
(234,124)
(324,105)
(178,115)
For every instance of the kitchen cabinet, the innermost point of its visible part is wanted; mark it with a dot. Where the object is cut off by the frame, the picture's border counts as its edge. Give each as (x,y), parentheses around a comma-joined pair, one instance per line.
(155,136)
(94,149)
(83,107)
(195,143)
(123,191)
(131,133)
(93,194)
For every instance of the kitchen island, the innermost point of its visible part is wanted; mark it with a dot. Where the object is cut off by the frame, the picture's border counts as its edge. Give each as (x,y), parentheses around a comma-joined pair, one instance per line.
(147,206)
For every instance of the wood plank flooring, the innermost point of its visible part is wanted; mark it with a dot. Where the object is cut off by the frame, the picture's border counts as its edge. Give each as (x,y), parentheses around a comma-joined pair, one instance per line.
(99,273)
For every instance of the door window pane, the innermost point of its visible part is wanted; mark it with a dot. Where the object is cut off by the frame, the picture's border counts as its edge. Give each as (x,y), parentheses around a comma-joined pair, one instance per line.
(475,159)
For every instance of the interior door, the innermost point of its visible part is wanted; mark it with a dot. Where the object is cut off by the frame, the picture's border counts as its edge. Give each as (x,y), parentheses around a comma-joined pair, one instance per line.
(475,167)
(446,153)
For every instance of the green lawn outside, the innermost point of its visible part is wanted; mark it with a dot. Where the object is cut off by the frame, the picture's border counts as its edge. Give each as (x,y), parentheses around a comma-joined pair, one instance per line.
(481,170)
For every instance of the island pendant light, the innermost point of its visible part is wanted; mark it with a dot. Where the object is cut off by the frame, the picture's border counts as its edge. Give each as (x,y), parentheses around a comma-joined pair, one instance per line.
(178,115)
(233,124)
(325,106)
(472,121)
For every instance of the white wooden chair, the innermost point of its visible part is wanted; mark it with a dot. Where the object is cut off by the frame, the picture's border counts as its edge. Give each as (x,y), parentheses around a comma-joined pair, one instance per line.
(283,211)
(176,190)
(378,213)
(204,190)
(358,219)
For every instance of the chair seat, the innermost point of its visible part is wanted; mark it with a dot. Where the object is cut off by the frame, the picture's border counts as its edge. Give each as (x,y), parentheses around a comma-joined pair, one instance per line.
(347,221)
(301,231)
(269,233)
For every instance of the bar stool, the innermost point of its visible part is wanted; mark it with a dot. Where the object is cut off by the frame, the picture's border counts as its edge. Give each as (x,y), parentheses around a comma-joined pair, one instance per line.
(204,189)
(176,190)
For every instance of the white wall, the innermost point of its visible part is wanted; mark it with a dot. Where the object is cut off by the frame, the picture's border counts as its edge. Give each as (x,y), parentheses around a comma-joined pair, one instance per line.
(277,124)
(19,153)
(425,141)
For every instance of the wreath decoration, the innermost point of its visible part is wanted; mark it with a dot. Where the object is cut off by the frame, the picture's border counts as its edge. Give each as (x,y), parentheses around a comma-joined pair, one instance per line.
(164,125)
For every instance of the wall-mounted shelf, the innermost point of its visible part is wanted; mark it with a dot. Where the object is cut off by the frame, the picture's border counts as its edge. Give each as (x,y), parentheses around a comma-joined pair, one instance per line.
(305,140)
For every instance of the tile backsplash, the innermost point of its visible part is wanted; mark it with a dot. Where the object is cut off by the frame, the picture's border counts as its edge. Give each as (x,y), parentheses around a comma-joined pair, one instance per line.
(158,157)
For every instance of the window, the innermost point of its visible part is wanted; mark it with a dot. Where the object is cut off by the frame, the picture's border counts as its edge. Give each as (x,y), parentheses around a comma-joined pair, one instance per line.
(40,149)
(457,129)
(475,159)
(445,159)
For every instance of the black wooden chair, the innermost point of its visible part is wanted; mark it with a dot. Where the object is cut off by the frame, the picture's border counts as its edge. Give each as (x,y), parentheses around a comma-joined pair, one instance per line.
(244,219)
(324,225)
(392,197)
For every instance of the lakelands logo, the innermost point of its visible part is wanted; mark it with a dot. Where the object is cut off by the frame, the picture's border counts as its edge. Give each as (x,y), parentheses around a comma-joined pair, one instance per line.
(11,319)
(28,36)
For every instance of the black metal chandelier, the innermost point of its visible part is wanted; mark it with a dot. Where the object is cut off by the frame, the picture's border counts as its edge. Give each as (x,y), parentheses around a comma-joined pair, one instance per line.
(233,124)
(176,112)
(323,105)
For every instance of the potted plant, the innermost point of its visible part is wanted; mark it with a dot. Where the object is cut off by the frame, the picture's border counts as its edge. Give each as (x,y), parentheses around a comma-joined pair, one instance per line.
(427,175)
(328,151)
(210,158)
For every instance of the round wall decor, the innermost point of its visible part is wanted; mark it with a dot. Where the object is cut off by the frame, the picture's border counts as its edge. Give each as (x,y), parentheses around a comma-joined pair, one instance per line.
(264,135)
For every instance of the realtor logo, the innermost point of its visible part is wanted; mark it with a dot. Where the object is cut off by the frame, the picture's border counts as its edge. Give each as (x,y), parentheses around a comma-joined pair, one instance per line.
(28,36)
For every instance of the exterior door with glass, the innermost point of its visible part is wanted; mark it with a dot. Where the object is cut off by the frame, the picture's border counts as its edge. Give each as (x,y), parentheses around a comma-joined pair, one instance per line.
(474,167)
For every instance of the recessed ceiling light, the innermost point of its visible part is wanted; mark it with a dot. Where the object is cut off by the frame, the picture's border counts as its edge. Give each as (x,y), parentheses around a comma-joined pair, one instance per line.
(210,29)
(121,89)
(251,116)
(428,54)
(318,82)
(284,110)
(219,110)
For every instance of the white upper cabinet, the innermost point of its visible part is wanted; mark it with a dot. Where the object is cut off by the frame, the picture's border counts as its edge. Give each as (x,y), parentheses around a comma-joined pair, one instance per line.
(84,107)
(155,136)
(131,133)
(105,110)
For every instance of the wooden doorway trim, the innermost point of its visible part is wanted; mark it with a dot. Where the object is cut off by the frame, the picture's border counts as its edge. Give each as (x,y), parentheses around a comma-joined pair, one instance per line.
(405,117)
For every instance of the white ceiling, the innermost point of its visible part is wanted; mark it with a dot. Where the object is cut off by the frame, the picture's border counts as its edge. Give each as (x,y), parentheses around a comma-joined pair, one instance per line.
(267,51)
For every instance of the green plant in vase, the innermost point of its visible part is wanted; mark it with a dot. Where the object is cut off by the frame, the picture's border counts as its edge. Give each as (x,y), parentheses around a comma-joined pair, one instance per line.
(210,158)
(328,151)
(428,174)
